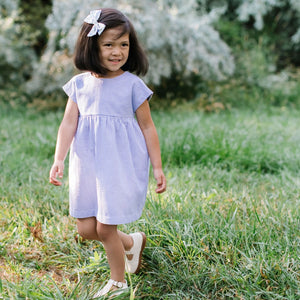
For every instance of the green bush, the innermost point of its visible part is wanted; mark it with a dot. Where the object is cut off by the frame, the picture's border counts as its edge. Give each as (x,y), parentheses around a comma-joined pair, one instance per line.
(264,73)
(32,16)
(23,37)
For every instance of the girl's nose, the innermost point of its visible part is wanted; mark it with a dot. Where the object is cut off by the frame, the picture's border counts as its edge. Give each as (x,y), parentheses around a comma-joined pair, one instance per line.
(116,51)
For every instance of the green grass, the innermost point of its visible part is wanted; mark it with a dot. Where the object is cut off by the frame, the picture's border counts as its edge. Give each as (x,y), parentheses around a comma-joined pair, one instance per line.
(227,228)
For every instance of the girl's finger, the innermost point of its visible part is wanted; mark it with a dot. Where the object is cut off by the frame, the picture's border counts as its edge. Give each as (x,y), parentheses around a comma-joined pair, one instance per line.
(161,185)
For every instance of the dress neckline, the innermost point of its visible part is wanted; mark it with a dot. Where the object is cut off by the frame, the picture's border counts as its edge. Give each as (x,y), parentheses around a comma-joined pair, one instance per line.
(108,78)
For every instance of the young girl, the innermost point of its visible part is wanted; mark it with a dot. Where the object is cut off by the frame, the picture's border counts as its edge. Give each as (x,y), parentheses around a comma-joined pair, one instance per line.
(110,148)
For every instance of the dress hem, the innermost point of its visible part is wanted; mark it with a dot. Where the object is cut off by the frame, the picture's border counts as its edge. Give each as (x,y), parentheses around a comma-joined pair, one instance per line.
(108,221)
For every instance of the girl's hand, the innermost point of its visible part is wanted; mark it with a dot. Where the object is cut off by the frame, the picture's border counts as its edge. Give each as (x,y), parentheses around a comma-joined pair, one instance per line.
(161,180)
(56,170)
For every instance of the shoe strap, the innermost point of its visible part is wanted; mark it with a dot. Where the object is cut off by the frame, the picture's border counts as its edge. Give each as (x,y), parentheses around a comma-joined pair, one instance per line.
(118,284)
(128,252)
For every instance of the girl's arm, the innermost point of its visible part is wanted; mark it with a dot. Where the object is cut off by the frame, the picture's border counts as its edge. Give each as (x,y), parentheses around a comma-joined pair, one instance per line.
(147,126)
(65,136)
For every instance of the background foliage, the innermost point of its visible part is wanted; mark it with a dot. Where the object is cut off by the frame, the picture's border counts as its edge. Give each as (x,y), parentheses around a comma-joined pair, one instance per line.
(196,48)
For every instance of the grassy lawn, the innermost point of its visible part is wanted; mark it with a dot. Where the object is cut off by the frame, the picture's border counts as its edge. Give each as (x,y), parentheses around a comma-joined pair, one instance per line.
(227,228)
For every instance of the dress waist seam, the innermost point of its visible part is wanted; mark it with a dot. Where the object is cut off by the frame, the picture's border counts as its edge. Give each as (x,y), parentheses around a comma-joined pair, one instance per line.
(105,115)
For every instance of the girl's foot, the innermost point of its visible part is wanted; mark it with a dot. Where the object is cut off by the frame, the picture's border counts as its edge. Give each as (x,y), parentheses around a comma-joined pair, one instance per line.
(134,255)
(112,287)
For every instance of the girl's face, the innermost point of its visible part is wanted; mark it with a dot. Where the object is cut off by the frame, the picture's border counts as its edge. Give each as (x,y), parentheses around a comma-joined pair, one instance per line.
(114,51)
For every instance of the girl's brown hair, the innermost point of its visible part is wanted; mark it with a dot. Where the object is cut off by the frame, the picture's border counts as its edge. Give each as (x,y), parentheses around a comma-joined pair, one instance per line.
(87,56)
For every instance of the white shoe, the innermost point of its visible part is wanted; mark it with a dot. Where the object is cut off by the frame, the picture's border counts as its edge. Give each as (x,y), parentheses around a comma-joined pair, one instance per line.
(113,287)
(133,264)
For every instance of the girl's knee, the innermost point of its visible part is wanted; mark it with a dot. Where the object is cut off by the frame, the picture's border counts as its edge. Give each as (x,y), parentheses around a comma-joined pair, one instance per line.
(87,228)
(105,231)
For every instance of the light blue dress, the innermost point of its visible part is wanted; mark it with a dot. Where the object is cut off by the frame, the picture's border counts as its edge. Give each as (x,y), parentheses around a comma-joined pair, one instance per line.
(109,162)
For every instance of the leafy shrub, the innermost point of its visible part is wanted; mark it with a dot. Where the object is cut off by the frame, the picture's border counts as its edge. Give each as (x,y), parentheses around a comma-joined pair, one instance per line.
(280,20)
(22,37)
(14,53)
(196,49)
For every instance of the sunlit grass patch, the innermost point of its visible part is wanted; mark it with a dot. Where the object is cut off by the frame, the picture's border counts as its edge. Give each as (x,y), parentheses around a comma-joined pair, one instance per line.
(238,240)
(264,142)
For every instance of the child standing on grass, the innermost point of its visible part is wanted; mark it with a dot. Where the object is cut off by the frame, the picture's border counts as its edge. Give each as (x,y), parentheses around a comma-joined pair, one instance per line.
(109,148)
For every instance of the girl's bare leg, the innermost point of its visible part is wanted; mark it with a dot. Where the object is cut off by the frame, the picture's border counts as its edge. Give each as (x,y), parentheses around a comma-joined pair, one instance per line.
(126,240)
(113,240)
(108,235)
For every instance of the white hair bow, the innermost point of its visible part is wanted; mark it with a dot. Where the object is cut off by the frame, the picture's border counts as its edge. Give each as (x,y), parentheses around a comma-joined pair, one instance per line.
(92,18)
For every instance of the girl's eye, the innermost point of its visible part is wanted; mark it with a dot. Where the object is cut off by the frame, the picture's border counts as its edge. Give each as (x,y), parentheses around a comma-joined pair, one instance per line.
(107,45)
(125,45)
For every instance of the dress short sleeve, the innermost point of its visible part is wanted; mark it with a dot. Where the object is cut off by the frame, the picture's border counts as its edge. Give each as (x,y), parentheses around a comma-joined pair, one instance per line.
(70,89)
(140,93)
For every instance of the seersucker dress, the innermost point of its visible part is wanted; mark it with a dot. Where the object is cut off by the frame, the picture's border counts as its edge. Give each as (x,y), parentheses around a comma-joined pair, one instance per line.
(109,162)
